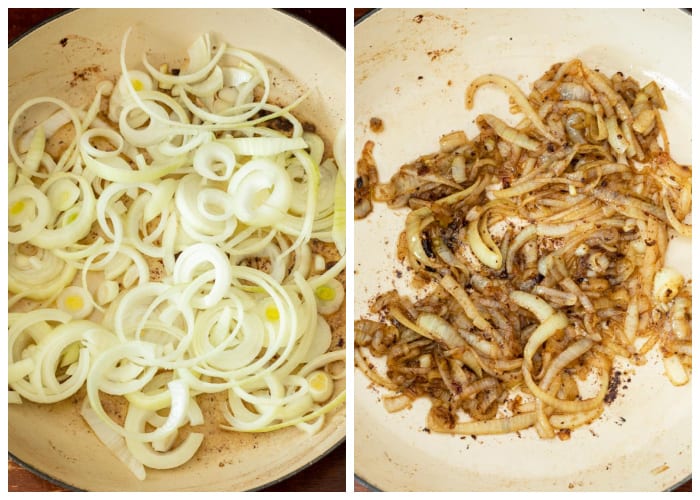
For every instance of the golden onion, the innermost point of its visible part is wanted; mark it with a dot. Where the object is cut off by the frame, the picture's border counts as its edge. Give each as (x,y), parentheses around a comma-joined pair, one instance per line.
(543,247)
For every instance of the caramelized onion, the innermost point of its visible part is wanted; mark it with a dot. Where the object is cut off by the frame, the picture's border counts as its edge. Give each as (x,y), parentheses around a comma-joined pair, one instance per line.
(543,246)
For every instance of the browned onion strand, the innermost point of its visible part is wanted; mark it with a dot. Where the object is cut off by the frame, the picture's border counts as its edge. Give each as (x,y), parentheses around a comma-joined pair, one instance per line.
(544,245)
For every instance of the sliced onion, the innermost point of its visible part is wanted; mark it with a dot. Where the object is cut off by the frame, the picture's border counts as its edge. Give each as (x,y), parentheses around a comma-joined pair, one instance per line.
(149,211)
(112,440)
(190,263)
(261,192)
(209,155)
(18,205)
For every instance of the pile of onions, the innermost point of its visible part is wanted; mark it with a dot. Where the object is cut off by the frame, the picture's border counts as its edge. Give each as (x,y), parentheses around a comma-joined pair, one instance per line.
(179,236)
(544,243)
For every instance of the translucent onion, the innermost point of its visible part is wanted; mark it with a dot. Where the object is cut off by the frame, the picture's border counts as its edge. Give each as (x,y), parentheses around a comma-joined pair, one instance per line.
(262,192)
(167,207)
(74,228)
(329,296)
(19,204)
(112,440)
(75,120)
(211,157)
(38,277)
(136,419)
(189,264)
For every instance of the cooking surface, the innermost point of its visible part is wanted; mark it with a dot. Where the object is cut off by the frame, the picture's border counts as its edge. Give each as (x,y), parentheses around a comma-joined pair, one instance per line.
(364,69)
(327,474)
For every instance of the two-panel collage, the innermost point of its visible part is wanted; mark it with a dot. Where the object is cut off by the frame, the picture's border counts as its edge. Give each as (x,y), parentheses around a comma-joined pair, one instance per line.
(194,305)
